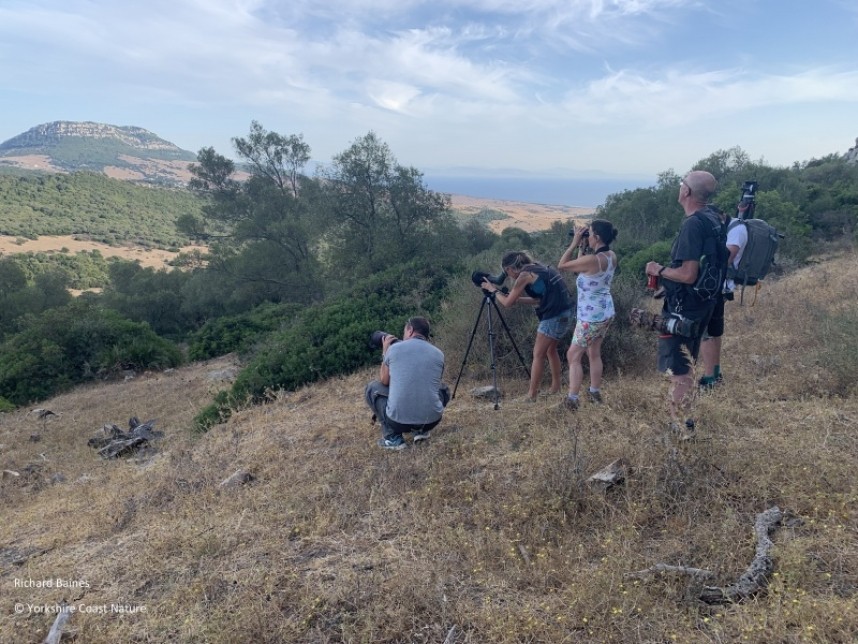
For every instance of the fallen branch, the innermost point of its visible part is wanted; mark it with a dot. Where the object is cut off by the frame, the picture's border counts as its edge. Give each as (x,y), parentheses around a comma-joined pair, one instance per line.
(753,580)
(56,631)
(756,577)
(662,569)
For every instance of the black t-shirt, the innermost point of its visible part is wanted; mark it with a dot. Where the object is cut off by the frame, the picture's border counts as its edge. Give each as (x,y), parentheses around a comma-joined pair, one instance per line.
(550,289)
(689,245)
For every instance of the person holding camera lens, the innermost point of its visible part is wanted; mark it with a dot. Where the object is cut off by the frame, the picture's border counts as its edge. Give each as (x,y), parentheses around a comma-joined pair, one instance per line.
(408,396)
(543,287)
(686,309)
(595,305)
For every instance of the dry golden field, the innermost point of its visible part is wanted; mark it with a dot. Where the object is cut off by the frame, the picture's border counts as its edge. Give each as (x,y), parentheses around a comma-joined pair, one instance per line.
(489,532)
(147,257)
(529,217)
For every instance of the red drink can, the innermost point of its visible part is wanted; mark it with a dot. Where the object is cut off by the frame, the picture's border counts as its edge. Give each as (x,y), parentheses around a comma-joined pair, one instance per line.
(652,282)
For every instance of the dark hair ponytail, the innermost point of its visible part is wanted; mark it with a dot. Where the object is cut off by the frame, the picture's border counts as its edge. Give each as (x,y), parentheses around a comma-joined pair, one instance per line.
(605,230)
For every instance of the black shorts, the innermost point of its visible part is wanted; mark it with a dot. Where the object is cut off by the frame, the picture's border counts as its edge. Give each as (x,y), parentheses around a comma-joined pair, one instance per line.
(675,352)
(715,328)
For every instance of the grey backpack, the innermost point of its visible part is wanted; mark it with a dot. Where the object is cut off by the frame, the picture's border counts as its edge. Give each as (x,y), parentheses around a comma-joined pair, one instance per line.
(759,254)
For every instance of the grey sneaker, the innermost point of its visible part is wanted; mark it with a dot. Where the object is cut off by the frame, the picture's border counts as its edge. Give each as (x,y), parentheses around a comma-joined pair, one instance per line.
(595,397)
(419,437)
(397,443)
(570,405)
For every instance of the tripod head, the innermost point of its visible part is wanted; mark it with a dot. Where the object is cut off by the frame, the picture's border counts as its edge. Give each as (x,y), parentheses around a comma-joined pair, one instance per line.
(478,277)
(493,294)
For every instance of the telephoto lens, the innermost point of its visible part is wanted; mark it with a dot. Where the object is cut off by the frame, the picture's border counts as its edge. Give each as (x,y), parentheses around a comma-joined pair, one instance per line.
(376,339)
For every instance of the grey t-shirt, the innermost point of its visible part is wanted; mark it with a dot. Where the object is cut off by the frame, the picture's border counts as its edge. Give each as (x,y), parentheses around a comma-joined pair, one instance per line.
(416,367)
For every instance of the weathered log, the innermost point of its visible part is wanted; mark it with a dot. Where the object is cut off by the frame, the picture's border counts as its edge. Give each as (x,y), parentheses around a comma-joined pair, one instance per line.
(113,442)
(120,447)
(237,478)
(752,581)
(756,577)
(662,569)
(56,631)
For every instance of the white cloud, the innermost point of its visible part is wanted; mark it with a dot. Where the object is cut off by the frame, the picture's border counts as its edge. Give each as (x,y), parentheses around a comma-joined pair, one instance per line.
(498,81)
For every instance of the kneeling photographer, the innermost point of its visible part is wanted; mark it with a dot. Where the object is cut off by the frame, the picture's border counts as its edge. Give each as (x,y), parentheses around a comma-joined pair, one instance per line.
(408,396)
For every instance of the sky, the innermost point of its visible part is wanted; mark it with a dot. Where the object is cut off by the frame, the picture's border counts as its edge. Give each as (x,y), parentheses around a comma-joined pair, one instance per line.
(542,88)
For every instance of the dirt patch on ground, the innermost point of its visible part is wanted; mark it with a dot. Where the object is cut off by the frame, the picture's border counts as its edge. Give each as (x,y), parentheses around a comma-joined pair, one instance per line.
(148,257)
(530,217)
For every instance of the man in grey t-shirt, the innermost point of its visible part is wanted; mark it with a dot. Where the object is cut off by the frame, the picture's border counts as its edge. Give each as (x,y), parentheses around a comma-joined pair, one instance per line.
(408,395)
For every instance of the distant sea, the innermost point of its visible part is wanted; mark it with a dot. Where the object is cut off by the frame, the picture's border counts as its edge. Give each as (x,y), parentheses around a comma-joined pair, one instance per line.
(586,193)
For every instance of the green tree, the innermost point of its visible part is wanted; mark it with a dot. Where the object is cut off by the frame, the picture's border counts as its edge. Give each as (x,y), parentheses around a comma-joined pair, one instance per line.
(20,298)
(646,215)
(383,212)
(262,230)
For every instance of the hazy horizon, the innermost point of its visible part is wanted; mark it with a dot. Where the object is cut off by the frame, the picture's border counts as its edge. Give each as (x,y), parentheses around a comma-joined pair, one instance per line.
(552,191)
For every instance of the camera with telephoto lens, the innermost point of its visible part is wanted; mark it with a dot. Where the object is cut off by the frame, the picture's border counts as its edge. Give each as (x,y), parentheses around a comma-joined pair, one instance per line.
(376,339)
(673,324)
(747,203)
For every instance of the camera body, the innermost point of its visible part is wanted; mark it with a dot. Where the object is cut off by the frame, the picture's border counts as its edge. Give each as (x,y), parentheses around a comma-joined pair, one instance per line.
(376,339)
(477,277)
(673,324)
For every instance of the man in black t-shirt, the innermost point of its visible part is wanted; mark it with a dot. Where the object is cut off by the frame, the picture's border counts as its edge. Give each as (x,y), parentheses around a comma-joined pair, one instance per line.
(675,352)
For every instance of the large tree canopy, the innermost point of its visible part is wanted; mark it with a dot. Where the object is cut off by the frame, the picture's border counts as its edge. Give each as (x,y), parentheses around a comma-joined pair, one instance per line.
(382,212)
(262,230)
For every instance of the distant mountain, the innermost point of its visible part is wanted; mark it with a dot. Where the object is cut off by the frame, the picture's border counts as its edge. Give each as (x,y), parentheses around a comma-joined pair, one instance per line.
(127,152)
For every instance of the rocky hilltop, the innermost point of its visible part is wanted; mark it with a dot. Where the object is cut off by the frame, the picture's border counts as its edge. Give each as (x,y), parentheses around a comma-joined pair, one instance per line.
(122,152)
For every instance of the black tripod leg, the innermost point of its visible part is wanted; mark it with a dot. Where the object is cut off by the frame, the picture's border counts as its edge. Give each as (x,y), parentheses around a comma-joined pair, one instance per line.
(511,339)
(491,332)
(468,350)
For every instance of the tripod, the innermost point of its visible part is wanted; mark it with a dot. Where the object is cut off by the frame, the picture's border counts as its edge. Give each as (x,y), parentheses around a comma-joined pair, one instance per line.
(487,304)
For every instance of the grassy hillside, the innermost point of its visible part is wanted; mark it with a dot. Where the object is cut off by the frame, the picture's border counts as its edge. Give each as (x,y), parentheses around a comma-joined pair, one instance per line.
(94,207)
(487,533)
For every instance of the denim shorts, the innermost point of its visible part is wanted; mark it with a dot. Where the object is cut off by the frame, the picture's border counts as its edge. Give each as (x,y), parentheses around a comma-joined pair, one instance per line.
(557,326)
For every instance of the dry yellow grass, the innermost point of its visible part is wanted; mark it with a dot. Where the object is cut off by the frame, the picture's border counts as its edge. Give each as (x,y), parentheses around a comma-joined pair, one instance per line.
(487,533)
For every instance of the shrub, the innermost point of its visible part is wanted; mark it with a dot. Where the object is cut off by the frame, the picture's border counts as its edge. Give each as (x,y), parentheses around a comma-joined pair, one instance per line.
(73,344)
(633,267)
(238,333)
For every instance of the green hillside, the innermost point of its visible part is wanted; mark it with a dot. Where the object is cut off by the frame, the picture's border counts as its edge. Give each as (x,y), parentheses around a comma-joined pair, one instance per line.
(94,206)
(78,152)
